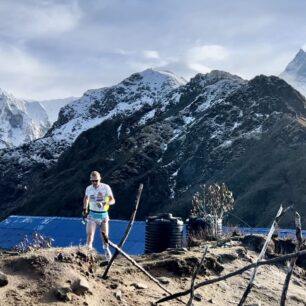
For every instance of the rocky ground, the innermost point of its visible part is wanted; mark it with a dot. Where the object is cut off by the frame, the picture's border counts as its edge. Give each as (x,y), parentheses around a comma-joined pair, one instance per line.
(72,276)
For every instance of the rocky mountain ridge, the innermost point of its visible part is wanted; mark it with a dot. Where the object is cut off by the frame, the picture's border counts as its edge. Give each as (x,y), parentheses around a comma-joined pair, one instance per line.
(139,93)
(171,138)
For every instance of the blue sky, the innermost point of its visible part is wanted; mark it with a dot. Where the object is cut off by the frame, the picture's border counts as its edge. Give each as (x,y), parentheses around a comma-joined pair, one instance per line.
(55,49)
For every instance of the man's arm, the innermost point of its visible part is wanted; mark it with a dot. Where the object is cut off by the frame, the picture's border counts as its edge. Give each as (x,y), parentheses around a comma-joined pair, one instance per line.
(111,200)
(110,195)
(85,204)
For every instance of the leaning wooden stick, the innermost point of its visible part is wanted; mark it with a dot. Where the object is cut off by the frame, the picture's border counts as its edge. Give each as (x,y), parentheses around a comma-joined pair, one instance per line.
(299,242)
(248,289)
(229,275)
(127,231)
(113,245)
(196,271)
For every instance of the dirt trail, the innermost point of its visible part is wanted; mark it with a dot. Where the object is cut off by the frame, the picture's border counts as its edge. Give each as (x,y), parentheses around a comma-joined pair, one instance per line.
(35,277)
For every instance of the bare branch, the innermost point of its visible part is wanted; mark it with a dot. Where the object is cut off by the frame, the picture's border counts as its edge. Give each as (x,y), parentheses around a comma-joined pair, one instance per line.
(196,271)
(126,234)
(240,271)
(248,289)
(299,243)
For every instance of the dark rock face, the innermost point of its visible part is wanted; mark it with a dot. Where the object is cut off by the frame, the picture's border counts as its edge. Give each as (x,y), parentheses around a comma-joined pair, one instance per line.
(217,127)
(3,279)
(16,120)
(256,242)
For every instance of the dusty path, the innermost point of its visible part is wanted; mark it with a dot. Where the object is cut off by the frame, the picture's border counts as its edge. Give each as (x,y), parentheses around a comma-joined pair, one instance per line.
(34,278)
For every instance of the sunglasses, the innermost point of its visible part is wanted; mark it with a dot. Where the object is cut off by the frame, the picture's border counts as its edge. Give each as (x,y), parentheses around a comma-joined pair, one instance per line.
(94,181)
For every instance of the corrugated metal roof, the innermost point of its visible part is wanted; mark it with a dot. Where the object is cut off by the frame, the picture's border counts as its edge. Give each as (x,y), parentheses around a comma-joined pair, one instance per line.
(68,232)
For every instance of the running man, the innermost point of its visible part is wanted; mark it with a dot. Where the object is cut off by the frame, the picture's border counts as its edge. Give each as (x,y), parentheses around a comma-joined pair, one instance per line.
(98,197)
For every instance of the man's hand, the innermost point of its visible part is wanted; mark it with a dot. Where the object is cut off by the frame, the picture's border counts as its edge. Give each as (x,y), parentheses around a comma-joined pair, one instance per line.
(84,212)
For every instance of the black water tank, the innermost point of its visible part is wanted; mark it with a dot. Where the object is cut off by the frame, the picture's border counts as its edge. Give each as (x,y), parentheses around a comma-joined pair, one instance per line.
(162,232)
(199,228)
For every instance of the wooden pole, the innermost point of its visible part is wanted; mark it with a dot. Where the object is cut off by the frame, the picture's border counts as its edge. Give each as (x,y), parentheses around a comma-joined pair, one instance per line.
(250,285)
(299,243)
(229,275)
(196,271)
(126,234)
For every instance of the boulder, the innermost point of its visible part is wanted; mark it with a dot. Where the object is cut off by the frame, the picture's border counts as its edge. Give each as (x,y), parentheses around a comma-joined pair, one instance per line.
(63,294)
(118,295)
(80,286)
(198,297)
(3,279)
(163,280)
(139,285)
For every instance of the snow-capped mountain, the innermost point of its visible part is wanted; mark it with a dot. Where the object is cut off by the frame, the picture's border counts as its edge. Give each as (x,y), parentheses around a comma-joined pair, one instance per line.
(172,135)
(53,107)
(147,88)
(140,92)
(295,72)
(20,121)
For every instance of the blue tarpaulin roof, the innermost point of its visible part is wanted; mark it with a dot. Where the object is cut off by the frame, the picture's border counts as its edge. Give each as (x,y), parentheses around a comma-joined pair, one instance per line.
(68,232)
(71,232)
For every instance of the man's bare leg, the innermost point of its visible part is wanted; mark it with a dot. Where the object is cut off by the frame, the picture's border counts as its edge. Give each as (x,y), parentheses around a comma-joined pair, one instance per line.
(90,231)
(105,230)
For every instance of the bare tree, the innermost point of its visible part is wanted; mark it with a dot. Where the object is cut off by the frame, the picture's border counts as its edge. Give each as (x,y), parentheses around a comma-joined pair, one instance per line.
(213,201)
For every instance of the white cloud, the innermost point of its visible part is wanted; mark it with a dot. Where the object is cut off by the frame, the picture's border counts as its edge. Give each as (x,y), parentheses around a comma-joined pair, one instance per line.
(199,67)
(200,58)
(27,77)
(207,52)
(50,48)
(151,54)
(25,21)
(304,47)
(16,63)
(261,59)
(121,51)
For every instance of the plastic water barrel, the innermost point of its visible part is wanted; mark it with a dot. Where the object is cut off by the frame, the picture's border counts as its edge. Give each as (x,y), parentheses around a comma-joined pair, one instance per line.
(199,228)
(204,228)
(162,232)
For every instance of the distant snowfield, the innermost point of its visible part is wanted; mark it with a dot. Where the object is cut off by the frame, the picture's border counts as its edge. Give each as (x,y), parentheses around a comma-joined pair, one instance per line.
(20,121)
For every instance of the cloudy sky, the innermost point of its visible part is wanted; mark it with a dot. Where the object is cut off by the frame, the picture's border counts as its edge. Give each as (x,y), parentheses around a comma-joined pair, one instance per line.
(55,49)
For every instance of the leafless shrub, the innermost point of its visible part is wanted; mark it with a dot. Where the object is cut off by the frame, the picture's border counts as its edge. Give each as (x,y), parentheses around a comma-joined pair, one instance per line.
(213,199)
(37,241)
(211,203)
